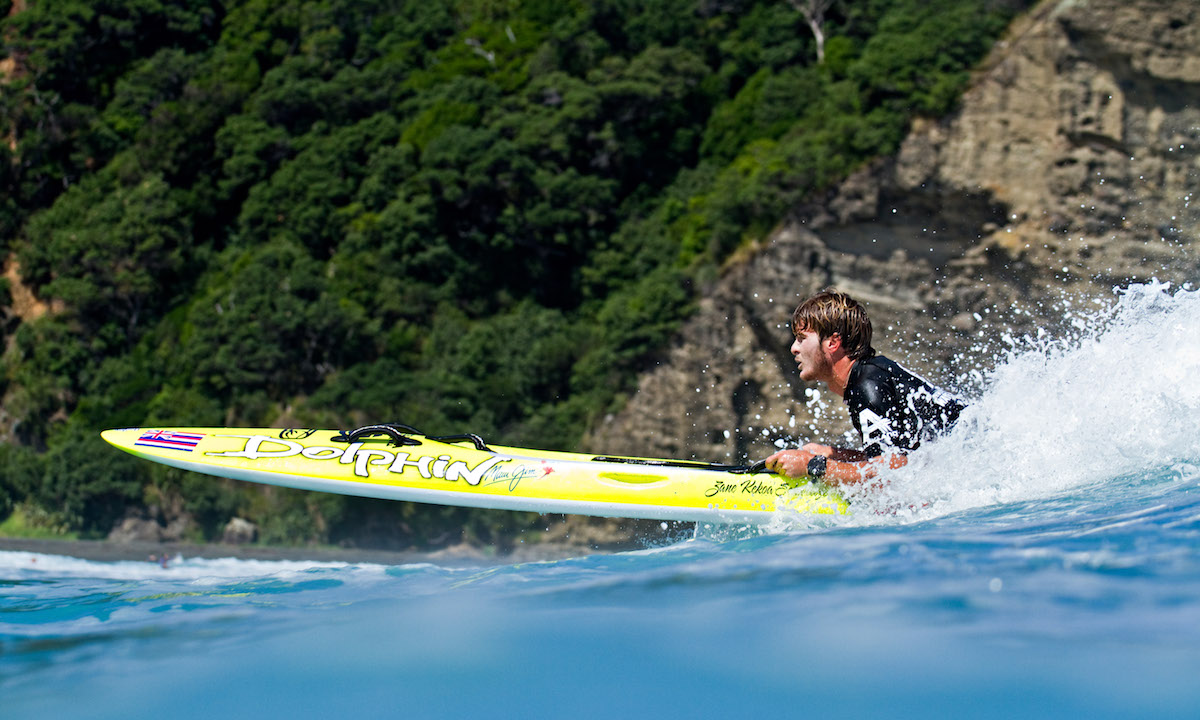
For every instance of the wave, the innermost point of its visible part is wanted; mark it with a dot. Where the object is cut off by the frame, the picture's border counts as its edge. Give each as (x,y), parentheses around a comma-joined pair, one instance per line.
(1113,401)
(22,565)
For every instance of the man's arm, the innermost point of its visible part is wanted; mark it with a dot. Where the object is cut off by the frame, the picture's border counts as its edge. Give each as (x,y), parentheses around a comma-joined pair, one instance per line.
(794,463)
(837,453)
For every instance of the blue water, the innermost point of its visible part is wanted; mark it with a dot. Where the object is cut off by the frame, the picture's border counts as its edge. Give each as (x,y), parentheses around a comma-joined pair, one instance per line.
(1044,560)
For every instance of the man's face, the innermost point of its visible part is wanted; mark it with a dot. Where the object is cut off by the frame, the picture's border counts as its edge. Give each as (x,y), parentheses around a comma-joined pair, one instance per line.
(812,357)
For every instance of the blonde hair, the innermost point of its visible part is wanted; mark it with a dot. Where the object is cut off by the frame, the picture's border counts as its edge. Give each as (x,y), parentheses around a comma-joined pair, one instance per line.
(830,313)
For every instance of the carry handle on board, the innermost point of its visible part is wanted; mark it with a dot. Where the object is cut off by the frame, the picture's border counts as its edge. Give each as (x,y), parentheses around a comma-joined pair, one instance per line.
(758,467)
(401,434)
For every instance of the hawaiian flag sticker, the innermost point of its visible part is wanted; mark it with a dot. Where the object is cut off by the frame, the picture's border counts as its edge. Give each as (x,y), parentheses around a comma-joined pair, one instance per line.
(170,440)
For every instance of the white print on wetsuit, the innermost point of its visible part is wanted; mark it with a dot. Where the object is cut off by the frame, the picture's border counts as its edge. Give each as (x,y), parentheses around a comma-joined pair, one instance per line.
(928,391)
(937,398)
(875,429)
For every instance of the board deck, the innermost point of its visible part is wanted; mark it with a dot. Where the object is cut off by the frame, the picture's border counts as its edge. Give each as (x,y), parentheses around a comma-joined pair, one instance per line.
(395,462)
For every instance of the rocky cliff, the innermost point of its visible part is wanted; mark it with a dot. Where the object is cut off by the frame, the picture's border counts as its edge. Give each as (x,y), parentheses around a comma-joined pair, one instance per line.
(1069,169)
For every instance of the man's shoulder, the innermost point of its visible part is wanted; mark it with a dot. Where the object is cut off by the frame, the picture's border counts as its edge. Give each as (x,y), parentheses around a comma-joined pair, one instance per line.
(875,369)
(879,368)
(870,381)
(879,380)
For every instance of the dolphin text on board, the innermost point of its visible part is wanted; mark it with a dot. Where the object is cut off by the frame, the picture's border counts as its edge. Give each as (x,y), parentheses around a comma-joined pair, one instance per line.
(443,467)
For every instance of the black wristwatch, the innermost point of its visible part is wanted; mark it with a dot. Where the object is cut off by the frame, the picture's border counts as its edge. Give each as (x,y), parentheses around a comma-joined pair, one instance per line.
(816,467)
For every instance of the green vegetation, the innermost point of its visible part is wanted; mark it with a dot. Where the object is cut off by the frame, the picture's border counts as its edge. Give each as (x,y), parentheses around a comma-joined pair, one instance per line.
(32,522)
(478,216)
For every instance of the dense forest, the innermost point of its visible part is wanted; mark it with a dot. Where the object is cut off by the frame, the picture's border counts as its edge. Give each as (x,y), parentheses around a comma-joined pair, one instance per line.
(481,215)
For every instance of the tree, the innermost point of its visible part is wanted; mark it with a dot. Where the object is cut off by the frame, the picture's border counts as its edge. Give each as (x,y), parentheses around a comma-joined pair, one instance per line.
(814,14)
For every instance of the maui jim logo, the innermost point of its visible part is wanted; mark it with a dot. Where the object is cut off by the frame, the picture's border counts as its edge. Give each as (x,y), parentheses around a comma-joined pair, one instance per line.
(295,433)
(442,467)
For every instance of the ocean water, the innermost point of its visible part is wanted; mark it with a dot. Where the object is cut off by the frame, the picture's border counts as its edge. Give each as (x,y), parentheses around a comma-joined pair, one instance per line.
(1043,560)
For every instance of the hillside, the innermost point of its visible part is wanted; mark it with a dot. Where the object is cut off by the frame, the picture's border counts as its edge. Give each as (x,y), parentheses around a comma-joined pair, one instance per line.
(469,217)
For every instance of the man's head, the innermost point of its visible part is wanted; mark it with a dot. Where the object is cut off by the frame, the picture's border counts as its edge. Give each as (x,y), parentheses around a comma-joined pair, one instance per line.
(830,313)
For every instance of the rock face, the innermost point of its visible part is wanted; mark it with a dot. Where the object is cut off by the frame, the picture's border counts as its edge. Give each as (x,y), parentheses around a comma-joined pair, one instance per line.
(151,524)
(1069,169)
(239,531)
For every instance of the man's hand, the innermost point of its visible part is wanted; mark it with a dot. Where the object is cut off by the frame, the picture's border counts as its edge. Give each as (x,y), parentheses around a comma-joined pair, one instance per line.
(839,470)
(818,449)
(793,463)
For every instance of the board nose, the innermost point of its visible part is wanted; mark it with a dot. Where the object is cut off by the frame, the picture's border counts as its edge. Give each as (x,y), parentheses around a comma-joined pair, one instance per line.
(117,436)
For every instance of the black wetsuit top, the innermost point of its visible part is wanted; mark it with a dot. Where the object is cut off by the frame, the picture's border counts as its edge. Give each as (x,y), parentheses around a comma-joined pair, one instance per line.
(894,409)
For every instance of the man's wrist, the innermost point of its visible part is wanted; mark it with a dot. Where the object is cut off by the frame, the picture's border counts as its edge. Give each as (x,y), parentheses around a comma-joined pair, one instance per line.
(817,466)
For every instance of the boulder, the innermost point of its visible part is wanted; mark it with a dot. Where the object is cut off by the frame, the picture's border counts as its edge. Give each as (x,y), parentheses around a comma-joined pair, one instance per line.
(239,531)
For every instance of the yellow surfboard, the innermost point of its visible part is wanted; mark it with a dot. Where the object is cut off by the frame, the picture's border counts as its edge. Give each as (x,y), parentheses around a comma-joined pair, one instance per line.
(396,462)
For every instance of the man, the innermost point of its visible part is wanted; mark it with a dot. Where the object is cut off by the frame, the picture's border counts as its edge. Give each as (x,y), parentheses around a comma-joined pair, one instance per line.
(893,409)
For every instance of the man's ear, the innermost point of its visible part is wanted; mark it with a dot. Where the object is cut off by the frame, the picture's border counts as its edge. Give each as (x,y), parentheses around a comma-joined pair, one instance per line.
(832,343)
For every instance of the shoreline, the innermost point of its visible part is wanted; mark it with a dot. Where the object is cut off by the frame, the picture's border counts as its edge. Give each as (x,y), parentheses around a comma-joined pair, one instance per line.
(456,556)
